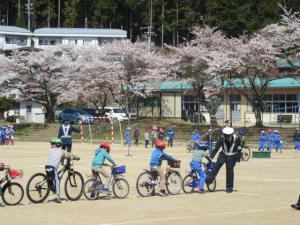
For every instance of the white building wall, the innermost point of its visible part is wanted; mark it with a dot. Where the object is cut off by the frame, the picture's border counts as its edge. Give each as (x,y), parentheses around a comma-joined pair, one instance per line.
(2,41)
(36,115)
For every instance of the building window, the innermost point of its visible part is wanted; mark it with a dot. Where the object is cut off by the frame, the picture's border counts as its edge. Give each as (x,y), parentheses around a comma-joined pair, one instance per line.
(104,41)
(16,40)
(281,103)
(50,41)
(152,101)
(235,102)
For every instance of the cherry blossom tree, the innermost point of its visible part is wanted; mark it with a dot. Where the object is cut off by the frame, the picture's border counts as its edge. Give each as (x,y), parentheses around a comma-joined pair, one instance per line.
(133,69)
(254,65)
(195,61)
(47,75)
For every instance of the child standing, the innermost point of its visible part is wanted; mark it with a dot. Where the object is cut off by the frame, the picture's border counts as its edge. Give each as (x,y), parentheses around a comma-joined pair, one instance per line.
(170,137)
(146,138)
(277,141)
(128,137)
(262,139)
(269,140)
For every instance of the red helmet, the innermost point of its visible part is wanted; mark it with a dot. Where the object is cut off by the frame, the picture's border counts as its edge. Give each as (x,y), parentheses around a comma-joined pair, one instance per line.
(160,144)
(269,131)
(161,130)
(106,146)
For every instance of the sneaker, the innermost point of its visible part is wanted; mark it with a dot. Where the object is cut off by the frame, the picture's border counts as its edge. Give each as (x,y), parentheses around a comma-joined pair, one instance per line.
(296,206)
(92,195)
(162,193)
(57,199)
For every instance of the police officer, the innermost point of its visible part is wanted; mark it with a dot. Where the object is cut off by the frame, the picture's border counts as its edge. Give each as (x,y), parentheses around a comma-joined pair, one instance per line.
(65,134)
(230,154)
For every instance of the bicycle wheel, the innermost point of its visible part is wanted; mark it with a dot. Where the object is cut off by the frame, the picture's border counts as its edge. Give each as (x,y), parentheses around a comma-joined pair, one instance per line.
(74,185)
(90,188)
(13,194)
(120,188)
(37,188)
(173,182)
(211,186)
(246,153)
(188,184)
(144,184)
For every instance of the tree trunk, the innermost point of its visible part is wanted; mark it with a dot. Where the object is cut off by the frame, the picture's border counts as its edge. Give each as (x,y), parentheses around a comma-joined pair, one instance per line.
(258,116)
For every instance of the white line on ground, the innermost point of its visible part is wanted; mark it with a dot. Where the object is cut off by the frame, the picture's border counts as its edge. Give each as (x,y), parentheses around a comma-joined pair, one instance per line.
(195,216)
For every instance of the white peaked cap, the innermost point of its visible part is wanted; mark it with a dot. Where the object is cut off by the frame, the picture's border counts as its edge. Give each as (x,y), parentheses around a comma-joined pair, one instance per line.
(228,130)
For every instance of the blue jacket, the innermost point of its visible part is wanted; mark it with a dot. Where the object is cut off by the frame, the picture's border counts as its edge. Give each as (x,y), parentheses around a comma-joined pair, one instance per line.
(277,138)
(158,156)
(127,135)
(262,138)
(171,134)
(196,137)
(100,155)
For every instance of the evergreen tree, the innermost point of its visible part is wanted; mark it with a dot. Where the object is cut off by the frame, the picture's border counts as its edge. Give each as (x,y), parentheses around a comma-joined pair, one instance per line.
(70,12)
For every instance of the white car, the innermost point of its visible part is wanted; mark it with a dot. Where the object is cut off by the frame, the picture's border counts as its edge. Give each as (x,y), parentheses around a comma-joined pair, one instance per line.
(116,112)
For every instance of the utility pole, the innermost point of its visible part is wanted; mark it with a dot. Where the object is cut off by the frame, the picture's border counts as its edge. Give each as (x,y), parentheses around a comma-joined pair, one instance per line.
(58,20)
(176,23)
(28,14)
(162,22)
(150,28)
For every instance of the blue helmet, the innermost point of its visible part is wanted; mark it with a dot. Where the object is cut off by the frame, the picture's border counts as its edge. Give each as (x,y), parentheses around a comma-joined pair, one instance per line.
(242,132)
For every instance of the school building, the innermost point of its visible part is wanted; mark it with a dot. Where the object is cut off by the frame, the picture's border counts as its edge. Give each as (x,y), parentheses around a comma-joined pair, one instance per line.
(173,100)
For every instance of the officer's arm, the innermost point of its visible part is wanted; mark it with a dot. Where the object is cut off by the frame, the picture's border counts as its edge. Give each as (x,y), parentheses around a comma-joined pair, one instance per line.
(216,149)
(60,133)
(75,129)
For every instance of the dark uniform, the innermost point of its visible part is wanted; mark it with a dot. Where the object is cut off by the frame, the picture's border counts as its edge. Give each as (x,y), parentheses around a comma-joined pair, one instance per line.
(65,134)
(230,154)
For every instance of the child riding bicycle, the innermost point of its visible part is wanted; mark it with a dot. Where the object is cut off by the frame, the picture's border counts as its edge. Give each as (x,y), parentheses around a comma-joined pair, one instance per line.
(55,155)
(98,165)
(155,164)
(198,153)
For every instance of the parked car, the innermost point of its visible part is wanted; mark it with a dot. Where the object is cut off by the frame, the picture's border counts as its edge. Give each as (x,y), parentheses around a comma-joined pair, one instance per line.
(76,115)
(116,113)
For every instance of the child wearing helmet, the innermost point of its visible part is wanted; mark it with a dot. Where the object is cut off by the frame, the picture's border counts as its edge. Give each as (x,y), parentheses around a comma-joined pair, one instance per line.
(160,134)
(98,165)
(262,139)
(277,141)
(56,154)
(270,140)
(157,157)
(196,162)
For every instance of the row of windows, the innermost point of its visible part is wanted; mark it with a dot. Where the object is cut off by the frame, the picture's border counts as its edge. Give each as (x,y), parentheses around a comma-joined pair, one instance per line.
(16,40)
(101,41)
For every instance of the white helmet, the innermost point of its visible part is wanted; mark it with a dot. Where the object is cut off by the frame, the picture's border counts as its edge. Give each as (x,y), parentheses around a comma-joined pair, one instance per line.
(228,131)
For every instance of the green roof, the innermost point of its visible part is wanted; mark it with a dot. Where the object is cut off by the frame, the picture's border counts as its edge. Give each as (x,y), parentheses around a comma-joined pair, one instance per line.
(279,83)
(174,85)
(283,63)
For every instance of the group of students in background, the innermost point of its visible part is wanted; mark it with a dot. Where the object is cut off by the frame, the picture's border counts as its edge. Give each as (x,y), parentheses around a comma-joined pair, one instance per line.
(156,134)
(7,135)
(272,140)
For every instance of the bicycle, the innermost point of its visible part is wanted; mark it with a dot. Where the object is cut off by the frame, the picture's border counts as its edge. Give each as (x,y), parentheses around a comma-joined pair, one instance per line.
(39,185)
(245,153)
(148,180)
(12,193)
(94,187)
(190,146)
(191,180)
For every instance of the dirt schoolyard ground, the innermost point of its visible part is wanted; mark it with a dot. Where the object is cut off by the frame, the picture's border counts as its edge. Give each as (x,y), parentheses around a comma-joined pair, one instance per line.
(264,190)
